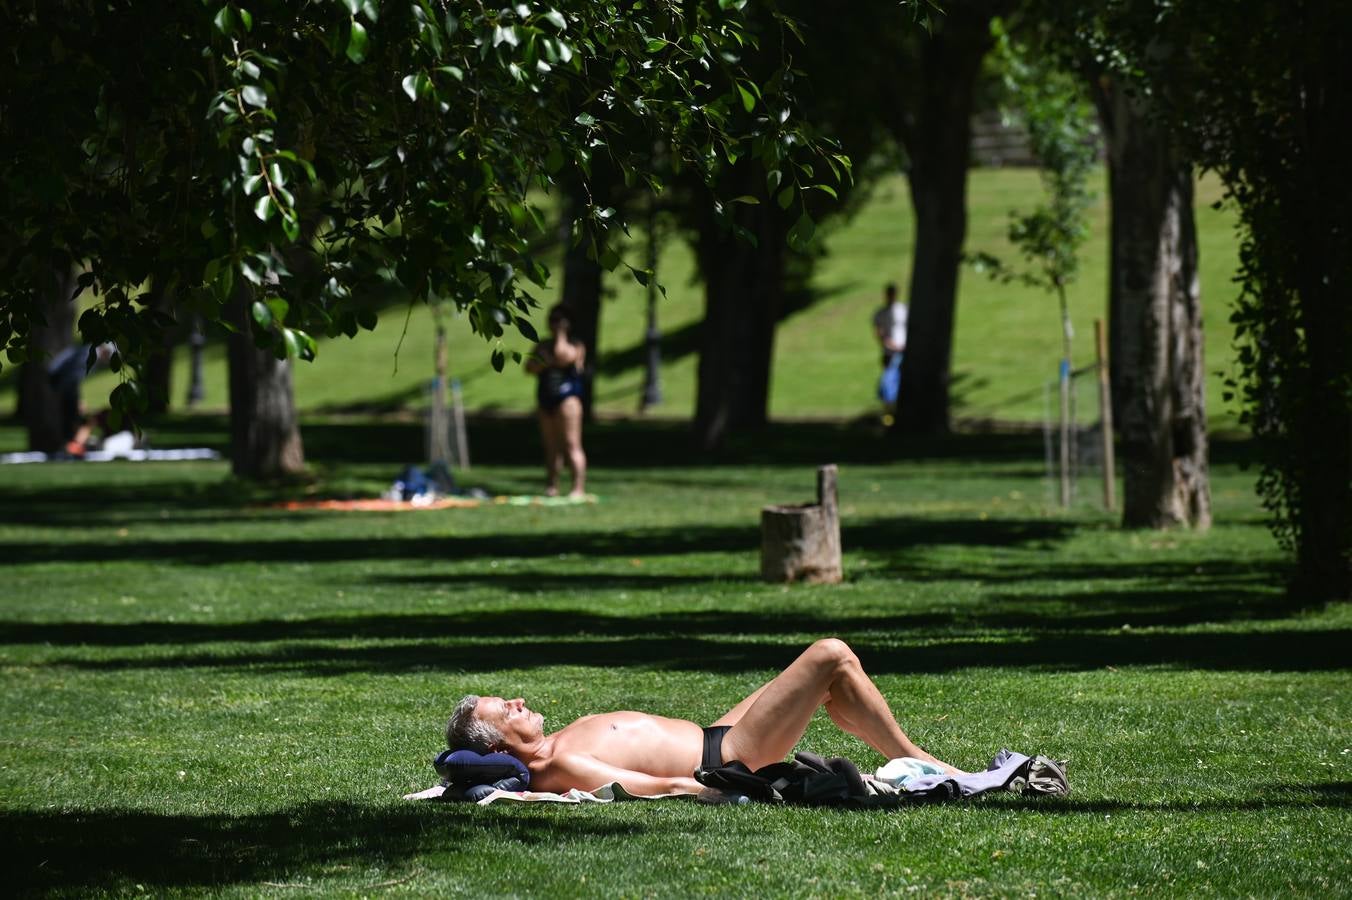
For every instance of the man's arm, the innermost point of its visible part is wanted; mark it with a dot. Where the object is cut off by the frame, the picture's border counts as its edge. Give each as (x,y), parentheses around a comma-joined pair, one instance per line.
(578,770)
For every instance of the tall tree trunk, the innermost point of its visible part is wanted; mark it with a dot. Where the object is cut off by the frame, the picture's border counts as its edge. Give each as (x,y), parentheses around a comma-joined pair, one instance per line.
(157,379)
(40,405)
(264,431)
(1322,218)
(938,135)
(582,275)
(1155,321)
(744,292)
(1324,547)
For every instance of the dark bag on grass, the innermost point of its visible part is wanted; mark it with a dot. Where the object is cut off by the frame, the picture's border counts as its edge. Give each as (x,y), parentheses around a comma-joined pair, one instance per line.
(809,780)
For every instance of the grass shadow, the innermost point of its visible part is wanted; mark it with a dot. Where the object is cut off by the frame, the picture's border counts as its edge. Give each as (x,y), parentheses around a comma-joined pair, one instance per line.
(1326,795)
(87,851)
(443,649)
(644,542)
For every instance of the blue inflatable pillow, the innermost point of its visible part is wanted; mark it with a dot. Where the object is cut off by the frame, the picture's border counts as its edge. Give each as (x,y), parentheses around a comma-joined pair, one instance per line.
(472,776)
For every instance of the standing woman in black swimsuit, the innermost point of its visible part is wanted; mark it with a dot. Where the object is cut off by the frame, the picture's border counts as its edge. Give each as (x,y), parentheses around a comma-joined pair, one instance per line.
(558,363)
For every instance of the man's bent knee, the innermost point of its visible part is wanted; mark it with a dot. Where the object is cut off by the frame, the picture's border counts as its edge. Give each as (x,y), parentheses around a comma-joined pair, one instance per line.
(834,652)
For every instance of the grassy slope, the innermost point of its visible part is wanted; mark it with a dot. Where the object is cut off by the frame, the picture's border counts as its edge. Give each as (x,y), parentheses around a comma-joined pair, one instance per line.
(1006,345)
(203,694)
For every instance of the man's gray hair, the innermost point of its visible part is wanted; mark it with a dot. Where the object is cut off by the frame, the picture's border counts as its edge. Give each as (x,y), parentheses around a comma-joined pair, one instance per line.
(466,731)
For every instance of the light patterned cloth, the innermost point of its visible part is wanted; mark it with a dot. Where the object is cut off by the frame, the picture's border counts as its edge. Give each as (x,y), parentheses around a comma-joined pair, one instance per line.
(607,793)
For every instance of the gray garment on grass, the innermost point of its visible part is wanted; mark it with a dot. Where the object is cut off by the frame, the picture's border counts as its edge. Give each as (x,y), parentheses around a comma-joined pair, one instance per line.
(1007,771)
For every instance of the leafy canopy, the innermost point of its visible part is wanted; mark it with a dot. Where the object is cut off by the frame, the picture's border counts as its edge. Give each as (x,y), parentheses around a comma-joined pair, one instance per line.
(301,156)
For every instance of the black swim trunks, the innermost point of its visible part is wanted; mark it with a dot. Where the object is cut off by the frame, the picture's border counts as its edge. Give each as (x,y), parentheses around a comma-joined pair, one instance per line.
(713,746)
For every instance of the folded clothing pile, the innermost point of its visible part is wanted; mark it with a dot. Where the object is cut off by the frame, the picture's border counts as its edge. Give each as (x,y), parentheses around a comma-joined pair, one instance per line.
(814,781)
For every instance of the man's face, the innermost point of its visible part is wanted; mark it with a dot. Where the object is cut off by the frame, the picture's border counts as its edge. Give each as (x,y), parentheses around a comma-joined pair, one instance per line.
(517,722)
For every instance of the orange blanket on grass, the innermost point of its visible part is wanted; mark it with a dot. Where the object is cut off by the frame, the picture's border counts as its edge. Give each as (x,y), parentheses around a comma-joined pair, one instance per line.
(380,504)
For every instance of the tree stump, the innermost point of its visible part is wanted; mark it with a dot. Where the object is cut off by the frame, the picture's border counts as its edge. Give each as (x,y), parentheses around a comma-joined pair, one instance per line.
(802,543)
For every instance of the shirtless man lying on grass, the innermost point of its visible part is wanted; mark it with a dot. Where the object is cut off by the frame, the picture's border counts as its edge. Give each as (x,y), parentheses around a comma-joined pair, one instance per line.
(650,754)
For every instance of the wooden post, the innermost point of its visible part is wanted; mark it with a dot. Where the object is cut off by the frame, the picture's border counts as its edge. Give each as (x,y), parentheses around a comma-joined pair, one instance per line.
(802,543)
(1106,415)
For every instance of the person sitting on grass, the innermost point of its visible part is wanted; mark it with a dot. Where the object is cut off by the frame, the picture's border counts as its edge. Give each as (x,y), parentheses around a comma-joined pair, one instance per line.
(651,755)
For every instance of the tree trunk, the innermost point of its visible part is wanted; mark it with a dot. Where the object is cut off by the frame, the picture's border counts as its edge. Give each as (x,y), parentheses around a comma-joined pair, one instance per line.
(264,432)
(802,543)
(938,141)
(40,405)
(744,291)
(157,378)
(1155,320)
(1322,218)
(1324,547)
(582,279)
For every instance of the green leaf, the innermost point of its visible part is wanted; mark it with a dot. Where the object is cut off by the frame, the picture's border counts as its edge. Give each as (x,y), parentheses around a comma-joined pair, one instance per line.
(265,207)
(656,44)
(454,71)
(357,42)
(748,98)
(224,20)
(499,359)
(367,319)
(291,225)
(527,330)
(556,19)
(309,349)
(292,343)
(223,279)
(278,307)
(247,18)
(800,235)
(785,198)
(826,188)
(261,314)
(585,120)
(410,85)
(746,198)
(290,156)
(254,96)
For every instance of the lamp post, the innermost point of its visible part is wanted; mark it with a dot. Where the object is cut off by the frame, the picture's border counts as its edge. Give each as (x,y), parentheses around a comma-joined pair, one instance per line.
(196,341)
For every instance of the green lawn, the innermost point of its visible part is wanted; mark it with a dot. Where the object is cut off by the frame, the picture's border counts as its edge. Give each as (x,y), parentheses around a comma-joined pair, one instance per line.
(206,694)
(1007,340)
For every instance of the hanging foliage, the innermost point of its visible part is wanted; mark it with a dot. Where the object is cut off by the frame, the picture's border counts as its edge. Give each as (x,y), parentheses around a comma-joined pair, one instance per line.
(320,151)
